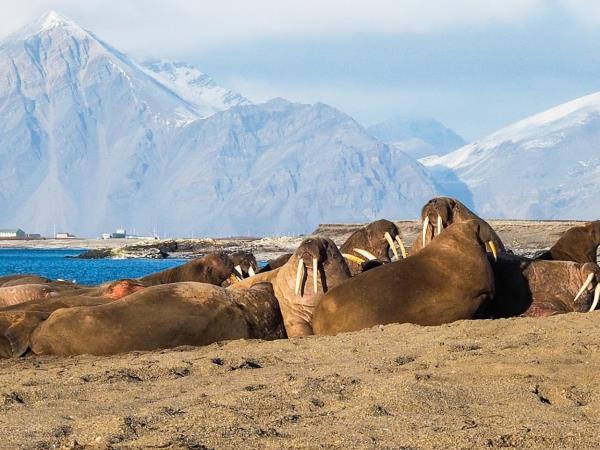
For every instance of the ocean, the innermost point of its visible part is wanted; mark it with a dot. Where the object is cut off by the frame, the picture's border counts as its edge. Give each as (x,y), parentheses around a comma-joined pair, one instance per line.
(53,263)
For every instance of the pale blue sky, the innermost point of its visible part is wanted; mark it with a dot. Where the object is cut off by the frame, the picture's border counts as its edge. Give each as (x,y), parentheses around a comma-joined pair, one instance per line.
(472,64)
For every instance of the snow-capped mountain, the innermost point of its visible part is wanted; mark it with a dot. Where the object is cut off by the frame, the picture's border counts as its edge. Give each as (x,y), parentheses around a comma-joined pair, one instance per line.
(91,140)
(194,86)
(544,167)
(417,137)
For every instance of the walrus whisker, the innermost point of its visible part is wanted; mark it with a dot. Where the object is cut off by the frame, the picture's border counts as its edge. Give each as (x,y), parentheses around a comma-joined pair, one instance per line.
(238,269)
(354,259)
(388,237)
(587,282)
(596,298)
(299,275)
(402,247)
(315,268)
(494,250)
(251,271)
(370,256)
(440,225)
(425,225)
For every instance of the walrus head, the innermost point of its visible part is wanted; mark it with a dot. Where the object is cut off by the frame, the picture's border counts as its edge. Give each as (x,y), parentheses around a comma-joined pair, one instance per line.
(318,266)
(379,240)
(588,294)
(441,212)
(244,264)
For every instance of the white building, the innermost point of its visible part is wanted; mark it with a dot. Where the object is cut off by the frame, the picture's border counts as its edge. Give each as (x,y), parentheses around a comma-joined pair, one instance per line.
(12,234)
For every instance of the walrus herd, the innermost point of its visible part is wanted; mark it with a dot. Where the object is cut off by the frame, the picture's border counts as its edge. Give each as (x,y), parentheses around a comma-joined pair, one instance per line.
(458,268)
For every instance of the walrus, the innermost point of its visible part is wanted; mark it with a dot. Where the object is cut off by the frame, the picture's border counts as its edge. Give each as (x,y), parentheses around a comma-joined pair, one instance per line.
(440,212)
(448,280)
(18,280)
(244,264)
(578,244)
(315,267)
(528,287)
(113,290)
(275,263)
(372,242)
(214,268)
(163,316)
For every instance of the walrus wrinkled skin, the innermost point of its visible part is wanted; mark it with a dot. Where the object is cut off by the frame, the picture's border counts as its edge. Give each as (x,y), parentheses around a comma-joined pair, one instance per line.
(448,280)
(578,244)
(527,287)
(17,280)
(377,238)
(21,293)
(440,212)
(298,286)
(275,263)
(159,317)
(212,269)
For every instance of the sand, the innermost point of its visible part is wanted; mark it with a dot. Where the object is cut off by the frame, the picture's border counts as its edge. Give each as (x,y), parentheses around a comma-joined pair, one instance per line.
(514,383)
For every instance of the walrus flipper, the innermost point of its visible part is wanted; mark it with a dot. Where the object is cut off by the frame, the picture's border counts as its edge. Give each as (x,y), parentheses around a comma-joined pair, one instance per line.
(15,330)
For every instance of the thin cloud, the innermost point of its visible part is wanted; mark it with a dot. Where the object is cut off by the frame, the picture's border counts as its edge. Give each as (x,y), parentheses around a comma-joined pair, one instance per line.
(181,25)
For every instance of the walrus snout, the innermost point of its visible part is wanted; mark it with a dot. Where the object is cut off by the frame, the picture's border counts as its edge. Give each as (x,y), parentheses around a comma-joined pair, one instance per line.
(588,296)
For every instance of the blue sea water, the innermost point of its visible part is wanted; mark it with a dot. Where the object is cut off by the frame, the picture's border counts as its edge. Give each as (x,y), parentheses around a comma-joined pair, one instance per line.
(55,264)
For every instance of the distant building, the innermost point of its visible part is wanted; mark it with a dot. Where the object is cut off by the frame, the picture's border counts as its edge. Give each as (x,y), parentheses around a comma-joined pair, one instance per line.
(64,236)
(12,234)
(119,234)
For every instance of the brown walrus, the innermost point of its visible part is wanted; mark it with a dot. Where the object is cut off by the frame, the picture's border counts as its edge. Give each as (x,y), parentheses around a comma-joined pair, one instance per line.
(244,264)
(163,316)
(314,268)
(113,290)
(17,280)
(448,280)
(527,287)
(440,212)
(578,244)
(373,242)
(275,263)
(214,268)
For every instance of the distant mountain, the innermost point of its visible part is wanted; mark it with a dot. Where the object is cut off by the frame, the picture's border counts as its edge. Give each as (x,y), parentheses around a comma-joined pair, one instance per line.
(195,87)
(417,137)
(90,140)
(544,167)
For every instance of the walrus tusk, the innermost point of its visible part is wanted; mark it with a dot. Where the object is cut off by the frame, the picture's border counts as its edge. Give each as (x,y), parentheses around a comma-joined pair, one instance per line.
(354,259)
(366,254)
(238,269)
(425,225)
(315,272)
(299,275)
(587,282)
(251,271)
(596,298)
(388,237)
(494,250)
(440,225)
(402,247)
(233,279)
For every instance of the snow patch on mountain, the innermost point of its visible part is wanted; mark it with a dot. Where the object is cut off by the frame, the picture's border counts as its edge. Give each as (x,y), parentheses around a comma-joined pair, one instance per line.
(543,167)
